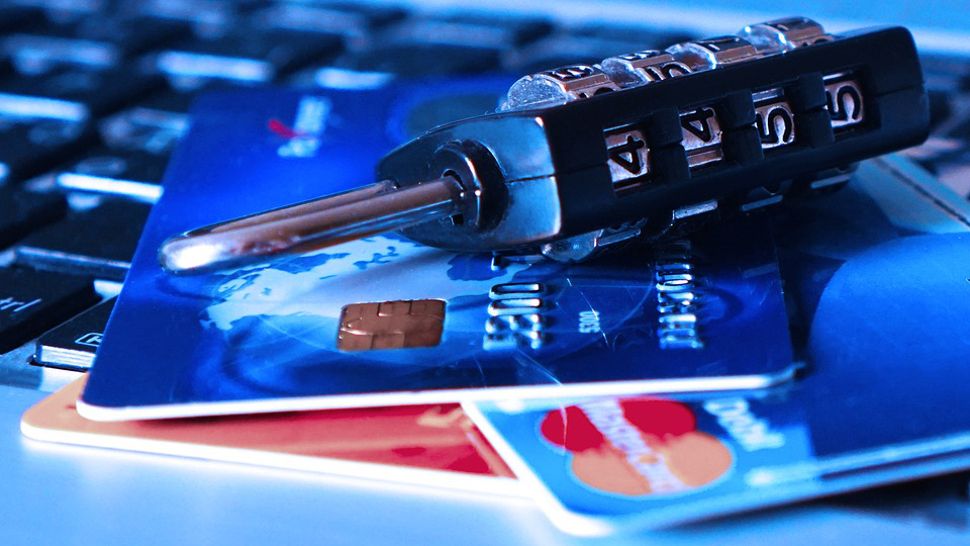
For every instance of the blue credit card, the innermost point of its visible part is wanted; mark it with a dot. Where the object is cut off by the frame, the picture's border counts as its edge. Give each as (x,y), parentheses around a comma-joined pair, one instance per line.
(878,279)
(385,320)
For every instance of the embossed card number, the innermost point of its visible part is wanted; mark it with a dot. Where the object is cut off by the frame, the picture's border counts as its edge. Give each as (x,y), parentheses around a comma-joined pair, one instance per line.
(514,317)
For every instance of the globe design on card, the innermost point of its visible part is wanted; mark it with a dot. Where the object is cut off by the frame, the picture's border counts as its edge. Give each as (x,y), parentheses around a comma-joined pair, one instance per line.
(302,297)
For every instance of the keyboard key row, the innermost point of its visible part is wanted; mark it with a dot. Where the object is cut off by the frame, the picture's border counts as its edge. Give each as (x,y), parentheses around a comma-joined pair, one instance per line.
(94,43)
(346,20)
(134,174)
(13,18)
(75,95)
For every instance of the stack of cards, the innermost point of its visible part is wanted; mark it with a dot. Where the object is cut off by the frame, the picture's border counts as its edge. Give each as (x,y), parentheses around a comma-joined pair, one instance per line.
(772,359)
(432,445)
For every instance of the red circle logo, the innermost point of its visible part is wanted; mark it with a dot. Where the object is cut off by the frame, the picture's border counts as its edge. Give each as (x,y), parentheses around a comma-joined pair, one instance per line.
(637,446)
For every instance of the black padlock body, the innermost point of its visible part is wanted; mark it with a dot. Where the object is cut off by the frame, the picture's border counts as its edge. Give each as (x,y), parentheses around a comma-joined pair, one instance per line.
(562,150)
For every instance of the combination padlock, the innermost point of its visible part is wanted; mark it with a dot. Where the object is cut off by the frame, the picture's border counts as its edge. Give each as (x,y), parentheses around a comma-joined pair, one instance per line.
(640,145)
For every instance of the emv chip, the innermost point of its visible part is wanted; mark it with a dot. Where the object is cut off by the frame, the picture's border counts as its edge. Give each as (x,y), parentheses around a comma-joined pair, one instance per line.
(391,325)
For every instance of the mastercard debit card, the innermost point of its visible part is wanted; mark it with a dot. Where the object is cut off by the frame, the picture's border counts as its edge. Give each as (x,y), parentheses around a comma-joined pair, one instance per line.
(385,320)
(433,446)
(879,282)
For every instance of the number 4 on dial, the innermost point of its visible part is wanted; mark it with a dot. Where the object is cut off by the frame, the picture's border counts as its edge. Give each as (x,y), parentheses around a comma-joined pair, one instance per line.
(627,154)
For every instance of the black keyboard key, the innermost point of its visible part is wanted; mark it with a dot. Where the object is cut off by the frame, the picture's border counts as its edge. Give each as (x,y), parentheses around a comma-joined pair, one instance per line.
(22,212)
(75,95)
(130,35)
(345,20)
(467,29)
(332,77)
(154,125)
(563,49)
(29,149)
(66,9)
(169,102)
(206,15)
(133,174)
(98,242)
(32,302)
(378,15)
(39,53)
(91,42)
(246,56)
(71,346)
(17,18)
(420,59)
(649,37)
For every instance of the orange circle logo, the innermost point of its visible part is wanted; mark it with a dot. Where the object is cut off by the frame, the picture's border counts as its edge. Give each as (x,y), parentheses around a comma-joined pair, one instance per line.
(637,446)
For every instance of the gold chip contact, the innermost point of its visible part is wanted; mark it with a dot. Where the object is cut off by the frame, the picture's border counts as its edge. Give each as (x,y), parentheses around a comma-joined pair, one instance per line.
(398,324)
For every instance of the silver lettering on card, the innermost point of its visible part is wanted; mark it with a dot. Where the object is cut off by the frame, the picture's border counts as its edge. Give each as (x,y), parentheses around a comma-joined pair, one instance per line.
(514,317)
(678,300)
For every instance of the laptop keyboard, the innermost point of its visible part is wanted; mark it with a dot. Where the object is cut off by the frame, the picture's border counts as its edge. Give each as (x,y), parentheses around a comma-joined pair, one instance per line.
(94,97)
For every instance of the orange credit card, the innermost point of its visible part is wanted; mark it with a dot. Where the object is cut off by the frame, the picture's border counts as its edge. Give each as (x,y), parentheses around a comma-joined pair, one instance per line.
(432,445)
